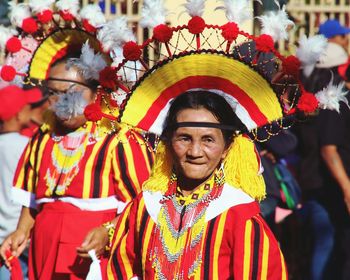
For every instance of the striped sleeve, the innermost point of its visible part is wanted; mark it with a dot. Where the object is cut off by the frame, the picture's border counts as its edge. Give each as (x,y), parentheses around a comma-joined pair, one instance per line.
(25,178)
(132,165)
(122,258)
(257,254)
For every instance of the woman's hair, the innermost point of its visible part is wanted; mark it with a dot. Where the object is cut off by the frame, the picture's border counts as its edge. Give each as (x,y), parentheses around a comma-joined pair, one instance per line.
(212,102)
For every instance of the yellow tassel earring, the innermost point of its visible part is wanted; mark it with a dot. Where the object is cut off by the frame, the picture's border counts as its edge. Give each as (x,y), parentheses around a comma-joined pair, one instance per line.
(242,168)
(161,171)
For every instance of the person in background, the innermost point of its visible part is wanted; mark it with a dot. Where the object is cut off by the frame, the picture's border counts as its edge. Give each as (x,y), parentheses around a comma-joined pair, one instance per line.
(15,115)
(321,139)
(38,110)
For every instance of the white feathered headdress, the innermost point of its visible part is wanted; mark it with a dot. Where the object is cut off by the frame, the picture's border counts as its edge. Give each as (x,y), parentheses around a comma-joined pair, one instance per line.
(237,10)
(89,63)
(195,7)
(153,13)
(93,14)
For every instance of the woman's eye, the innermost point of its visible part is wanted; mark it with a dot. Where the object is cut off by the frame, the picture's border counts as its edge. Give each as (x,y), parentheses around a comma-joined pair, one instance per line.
(208,140)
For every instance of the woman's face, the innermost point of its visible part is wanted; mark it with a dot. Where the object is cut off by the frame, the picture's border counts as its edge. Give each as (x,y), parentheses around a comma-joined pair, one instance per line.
(59,88)
(197,151)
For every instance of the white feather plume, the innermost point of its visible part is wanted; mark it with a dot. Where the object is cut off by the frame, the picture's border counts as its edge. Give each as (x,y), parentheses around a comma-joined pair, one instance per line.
(309,51)
(331,95)
(195,7)
(153,13)
(39,6)
(93,14)
(72,6)
(114,33)
(5,34)
(237,10)
(18,12)
(69,105)
(275,24)
(89,63)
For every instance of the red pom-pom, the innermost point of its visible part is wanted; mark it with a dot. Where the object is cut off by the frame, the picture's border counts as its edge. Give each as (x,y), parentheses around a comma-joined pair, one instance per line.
(162,33)
(29,25)
(230,31)
(264,43)
(291,65)
(88,27)
(132,51)
(13,45)
(196,25)
(107,78)
(8,73)
(66,15)
(93,112)
(45,16)
(307,102)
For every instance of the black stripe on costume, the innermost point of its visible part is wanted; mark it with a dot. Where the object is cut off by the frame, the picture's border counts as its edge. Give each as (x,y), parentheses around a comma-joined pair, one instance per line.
(40,136)
(144,219)
(116,265)
(99,166)
(256,249)
(122,171)
(207,255)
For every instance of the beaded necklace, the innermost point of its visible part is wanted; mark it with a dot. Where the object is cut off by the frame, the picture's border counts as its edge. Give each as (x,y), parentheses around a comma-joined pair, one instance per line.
(67,152)
(178,236)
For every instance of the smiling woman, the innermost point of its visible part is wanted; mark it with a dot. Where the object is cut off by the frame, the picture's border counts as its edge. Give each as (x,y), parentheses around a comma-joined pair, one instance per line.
(197,225)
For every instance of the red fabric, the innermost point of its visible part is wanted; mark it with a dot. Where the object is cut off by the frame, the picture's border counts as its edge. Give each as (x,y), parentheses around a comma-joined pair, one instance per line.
(59,229)
(13,99)
(230,31)
(264,43)
(45,16)
(29,25)
(93,112)
(8,73)
(132,51)
(162,33)
(196,25)
(13,45)
(16,270)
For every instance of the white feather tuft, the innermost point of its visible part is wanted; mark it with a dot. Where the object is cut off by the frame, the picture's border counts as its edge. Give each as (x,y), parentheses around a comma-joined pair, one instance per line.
(153,13)
(71,6)
(5,34)
(93,14)
(114,34)
(89,63)
(39,6)
(69,105)
(18,12)
(309,51)
(237,10)
(195,7)
(275,24)
(331,95)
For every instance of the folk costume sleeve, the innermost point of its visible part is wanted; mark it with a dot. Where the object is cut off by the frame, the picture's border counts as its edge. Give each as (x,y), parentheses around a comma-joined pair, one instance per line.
(25,179)
(132,163)
(257,254)
(121,264)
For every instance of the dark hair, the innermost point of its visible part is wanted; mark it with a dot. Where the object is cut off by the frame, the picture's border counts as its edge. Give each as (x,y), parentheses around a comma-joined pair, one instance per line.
(212,102)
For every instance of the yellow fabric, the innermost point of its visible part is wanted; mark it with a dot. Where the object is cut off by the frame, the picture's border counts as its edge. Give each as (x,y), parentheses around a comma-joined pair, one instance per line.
(211,65)
(50,47)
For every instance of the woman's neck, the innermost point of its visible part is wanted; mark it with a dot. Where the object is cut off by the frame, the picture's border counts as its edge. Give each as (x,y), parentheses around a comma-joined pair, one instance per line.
(188,186)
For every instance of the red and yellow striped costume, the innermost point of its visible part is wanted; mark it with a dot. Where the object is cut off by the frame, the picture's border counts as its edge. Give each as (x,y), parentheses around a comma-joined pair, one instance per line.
(114,166)
(236,244)
(110,174)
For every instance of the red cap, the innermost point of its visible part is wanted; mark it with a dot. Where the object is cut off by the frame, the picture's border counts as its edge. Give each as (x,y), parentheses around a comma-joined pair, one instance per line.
(13,99)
